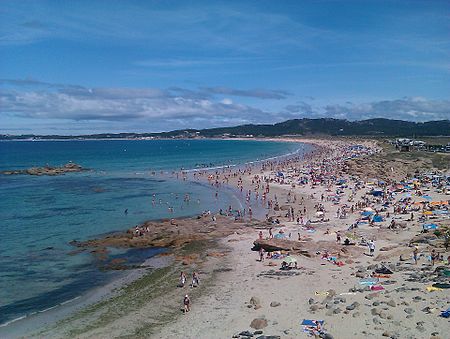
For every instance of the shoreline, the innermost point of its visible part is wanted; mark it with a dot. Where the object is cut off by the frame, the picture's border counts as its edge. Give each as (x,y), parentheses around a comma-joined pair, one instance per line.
(236,266)
(96,294)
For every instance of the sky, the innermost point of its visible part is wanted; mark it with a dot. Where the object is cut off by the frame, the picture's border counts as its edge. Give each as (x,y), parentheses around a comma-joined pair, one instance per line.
(81,67)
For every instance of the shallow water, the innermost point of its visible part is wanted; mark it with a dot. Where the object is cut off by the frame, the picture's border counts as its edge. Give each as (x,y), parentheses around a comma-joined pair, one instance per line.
(39,216)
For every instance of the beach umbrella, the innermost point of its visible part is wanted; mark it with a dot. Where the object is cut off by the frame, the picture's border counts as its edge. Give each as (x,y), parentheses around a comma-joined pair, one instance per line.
(428,213)
(368,209)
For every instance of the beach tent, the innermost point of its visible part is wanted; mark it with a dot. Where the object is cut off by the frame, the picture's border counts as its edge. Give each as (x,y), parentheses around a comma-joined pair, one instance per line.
(377,218)
(377,193)
(430,226)
(367,213)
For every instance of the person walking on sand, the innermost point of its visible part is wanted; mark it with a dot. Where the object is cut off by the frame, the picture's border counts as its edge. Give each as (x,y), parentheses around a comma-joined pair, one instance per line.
(434,256)
(195,279)
(415,255)
(187,303)
(371,246)
(182,279)
(261,254)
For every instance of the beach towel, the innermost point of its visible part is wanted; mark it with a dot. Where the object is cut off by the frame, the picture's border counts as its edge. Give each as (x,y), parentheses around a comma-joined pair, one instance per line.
(432,289)
(377,288)
(381,275)
(446,313)
(369,281)
(308,322)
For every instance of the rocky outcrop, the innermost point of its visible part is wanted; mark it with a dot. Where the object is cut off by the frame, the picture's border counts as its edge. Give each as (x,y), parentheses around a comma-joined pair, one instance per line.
(271,245)
(47,170)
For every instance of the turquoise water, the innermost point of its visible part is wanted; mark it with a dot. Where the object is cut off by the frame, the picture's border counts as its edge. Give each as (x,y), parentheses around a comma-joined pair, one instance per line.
(39,216)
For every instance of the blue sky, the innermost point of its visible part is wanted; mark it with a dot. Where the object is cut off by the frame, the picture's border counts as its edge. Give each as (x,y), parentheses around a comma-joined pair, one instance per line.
(71,67)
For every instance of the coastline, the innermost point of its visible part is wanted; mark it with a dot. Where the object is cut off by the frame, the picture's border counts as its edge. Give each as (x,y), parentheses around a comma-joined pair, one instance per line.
(231,275)
(30,323)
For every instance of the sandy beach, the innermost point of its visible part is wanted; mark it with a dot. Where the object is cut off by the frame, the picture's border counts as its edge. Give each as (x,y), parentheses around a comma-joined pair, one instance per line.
(308,203)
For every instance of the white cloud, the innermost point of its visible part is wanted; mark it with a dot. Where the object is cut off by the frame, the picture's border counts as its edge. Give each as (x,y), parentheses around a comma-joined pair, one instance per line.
(152,109)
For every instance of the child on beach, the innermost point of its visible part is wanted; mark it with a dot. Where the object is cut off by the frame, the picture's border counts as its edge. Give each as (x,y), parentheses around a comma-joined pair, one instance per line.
(371,246)
(187,303)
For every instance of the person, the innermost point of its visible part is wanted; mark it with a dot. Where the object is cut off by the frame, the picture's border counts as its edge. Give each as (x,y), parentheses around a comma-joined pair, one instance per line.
(338,237)
(434,256)
(270,233)
(260,235)
(126,211)
(371,246)
(195,279)
(415,255)
(261,254)
(187,303)
(182,279)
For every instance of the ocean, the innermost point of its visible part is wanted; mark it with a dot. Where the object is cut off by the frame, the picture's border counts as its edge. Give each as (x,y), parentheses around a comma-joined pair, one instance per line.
(39,216)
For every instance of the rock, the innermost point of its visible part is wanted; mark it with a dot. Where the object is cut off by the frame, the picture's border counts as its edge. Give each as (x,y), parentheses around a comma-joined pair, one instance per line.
(392,303)
(47,170)
(376,321)
(360,275)
(258,323)
(257,307)
(337,310)
(409,310)
(255,301)
(258,332)
(331,293)
(275,304)
(390,334)
(356,314)
(327,336)
(375,311)
(311,301)
(352,306)
(417,298)
(376,303)
(270,245)
(383,314)
(269,337)
(314,308)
